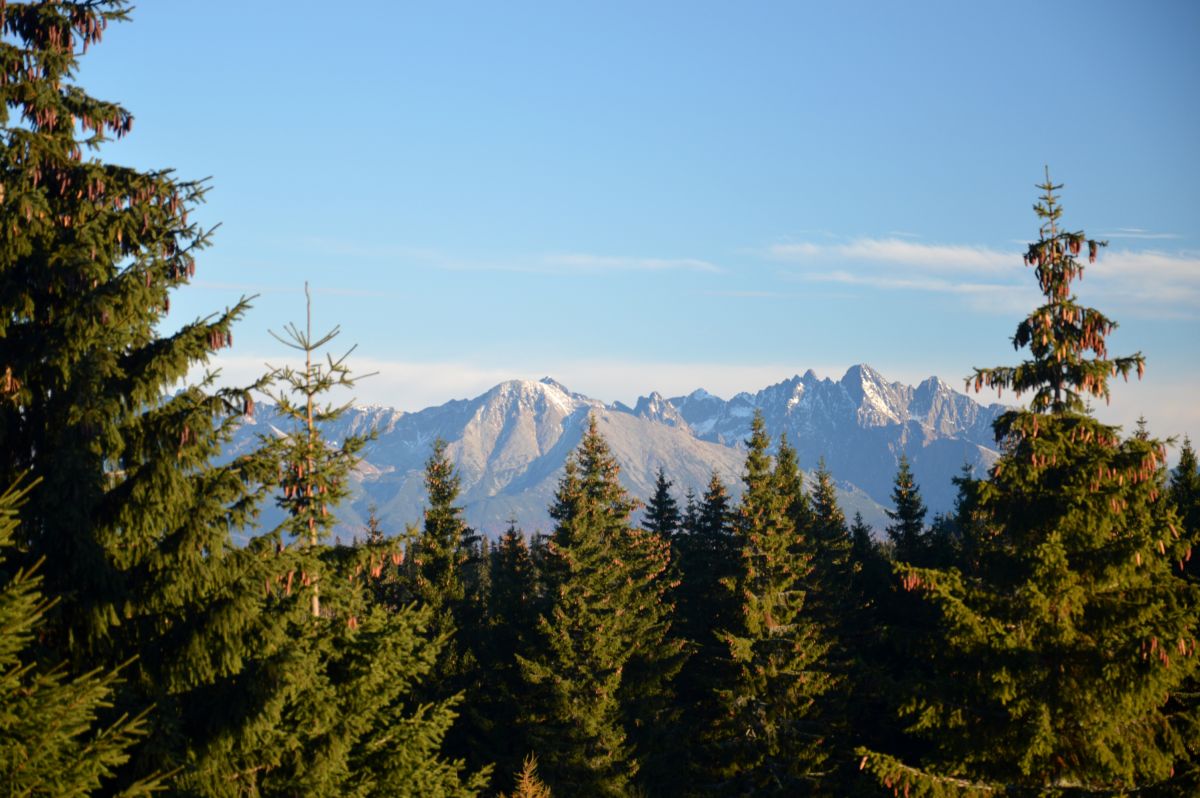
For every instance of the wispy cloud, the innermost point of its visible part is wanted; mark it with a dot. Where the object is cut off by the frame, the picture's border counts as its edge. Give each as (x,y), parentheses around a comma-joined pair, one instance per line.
(538,263)
(1137,232)
(1140,281)
(981,297)
(600,263)
(927,257)
(1152,279)
(735,294)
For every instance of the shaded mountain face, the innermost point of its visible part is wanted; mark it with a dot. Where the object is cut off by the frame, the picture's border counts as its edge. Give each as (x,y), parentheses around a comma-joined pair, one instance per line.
(511,443)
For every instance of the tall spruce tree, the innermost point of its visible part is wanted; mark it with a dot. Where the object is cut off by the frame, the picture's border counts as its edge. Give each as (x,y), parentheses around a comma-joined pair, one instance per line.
(356,719)
(1184,493)
(768,739)
(450,575)
(131,517)
(1065,630)
(708,554)
(51,739)
(708,557)
(439,554)
(791,483)
(837,593)
(315,474)
(662,511)
(907,528)
(511,616)
(596,665)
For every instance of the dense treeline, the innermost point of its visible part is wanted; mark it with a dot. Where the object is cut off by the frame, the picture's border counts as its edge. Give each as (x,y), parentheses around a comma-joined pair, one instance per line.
(1040,639)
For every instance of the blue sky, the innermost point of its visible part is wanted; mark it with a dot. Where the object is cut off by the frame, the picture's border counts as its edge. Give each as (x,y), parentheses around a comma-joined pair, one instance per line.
(661,196)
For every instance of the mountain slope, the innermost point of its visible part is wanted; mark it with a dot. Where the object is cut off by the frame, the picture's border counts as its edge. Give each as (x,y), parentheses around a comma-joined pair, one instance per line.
(510,443)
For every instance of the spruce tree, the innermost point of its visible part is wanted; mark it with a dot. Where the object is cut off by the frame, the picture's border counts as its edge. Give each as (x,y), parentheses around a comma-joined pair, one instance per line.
(130,516)
(1066,629)
(708,557)
(355,719)
(837,589)
(439,554)
(1184,494)
(315,474)
(449,575)
(52,741)
(907,527)
(767,739)
(662,511)
(511,615)
(705,605)
(595,668)
(791,483)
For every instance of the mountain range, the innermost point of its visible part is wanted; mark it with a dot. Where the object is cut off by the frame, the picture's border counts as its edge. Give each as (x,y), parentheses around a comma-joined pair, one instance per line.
(510,443)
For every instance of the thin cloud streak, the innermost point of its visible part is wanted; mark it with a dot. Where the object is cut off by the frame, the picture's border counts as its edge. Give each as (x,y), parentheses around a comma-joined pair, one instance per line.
(1137,232)
(990,298)
(583,262)
(928,257)
(544,263)
(1137,281)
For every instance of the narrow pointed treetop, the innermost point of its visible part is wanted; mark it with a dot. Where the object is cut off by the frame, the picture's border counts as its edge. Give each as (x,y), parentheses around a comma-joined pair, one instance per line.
(907,527)
(662,511)
(1060,333)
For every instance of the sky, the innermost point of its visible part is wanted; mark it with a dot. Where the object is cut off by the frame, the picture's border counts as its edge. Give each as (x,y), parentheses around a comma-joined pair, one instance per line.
(638,196)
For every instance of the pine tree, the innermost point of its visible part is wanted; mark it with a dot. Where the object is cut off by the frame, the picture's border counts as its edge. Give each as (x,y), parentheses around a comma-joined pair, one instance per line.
(1064,631)
(767,740)
(51,738)
(662,511)
(595,667)
(907,527)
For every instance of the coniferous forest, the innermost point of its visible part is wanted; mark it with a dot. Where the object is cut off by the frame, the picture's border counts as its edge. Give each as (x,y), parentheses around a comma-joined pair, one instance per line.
(1040,639)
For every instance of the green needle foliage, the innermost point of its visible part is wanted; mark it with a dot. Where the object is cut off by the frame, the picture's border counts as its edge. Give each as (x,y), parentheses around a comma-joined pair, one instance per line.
(132,520)
(52,741)
(354,669)
(768,739)
(907,528)
(314,475)
(1064,631)
(662,511)
(1185,496)
(601,649)
(709,555)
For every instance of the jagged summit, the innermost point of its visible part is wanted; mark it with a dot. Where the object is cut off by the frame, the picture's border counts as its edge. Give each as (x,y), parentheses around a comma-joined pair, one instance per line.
(510,442)
(655,408)
(553,383)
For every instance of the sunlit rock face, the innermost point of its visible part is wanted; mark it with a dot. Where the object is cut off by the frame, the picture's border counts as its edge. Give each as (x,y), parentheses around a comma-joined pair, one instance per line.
(510,443)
